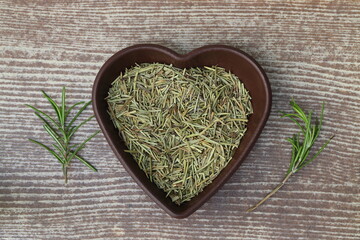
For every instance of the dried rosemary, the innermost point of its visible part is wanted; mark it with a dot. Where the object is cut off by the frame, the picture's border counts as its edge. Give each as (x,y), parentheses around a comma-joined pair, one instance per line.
(181,125)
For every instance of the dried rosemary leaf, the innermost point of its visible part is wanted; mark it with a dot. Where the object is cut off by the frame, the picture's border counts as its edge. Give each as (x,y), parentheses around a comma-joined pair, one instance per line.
(181,125)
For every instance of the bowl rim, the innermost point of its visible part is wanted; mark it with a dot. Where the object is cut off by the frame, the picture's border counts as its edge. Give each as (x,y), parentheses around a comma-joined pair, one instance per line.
(184,57)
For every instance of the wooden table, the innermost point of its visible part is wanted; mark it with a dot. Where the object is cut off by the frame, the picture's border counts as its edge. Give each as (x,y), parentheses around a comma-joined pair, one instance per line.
(310,51)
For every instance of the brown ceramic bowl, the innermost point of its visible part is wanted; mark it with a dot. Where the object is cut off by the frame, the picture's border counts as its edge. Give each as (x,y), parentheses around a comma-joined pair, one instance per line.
(234,60)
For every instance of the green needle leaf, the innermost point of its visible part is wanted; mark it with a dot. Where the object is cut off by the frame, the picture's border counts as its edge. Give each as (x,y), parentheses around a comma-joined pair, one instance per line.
(83,144)
(86,163)
(54,136)
(63,105)
(78,114)
(44,114)
(73,130)
(63,154)
(49,150)
(318,152)
(55,107)
(67,112)
(291,117)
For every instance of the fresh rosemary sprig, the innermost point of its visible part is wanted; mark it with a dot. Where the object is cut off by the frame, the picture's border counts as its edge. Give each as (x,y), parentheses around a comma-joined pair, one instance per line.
(62,131)
(300,148)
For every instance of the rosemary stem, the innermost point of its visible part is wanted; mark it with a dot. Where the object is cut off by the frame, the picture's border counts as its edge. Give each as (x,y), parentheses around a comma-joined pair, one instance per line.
(287,176)
(66,143)
(65,172)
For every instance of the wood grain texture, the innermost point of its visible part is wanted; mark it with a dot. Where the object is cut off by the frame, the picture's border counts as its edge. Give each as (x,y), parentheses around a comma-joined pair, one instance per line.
(310,51)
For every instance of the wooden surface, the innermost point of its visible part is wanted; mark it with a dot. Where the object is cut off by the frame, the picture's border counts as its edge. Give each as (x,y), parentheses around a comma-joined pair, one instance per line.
(310,51)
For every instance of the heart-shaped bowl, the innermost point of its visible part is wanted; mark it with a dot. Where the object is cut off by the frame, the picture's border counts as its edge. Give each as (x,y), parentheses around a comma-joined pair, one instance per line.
(232,59)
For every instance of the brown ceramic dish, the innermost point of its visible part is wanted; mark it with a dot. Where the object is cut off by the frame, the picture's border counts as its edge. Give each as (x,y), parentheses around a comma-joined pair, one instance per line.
(234,60)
